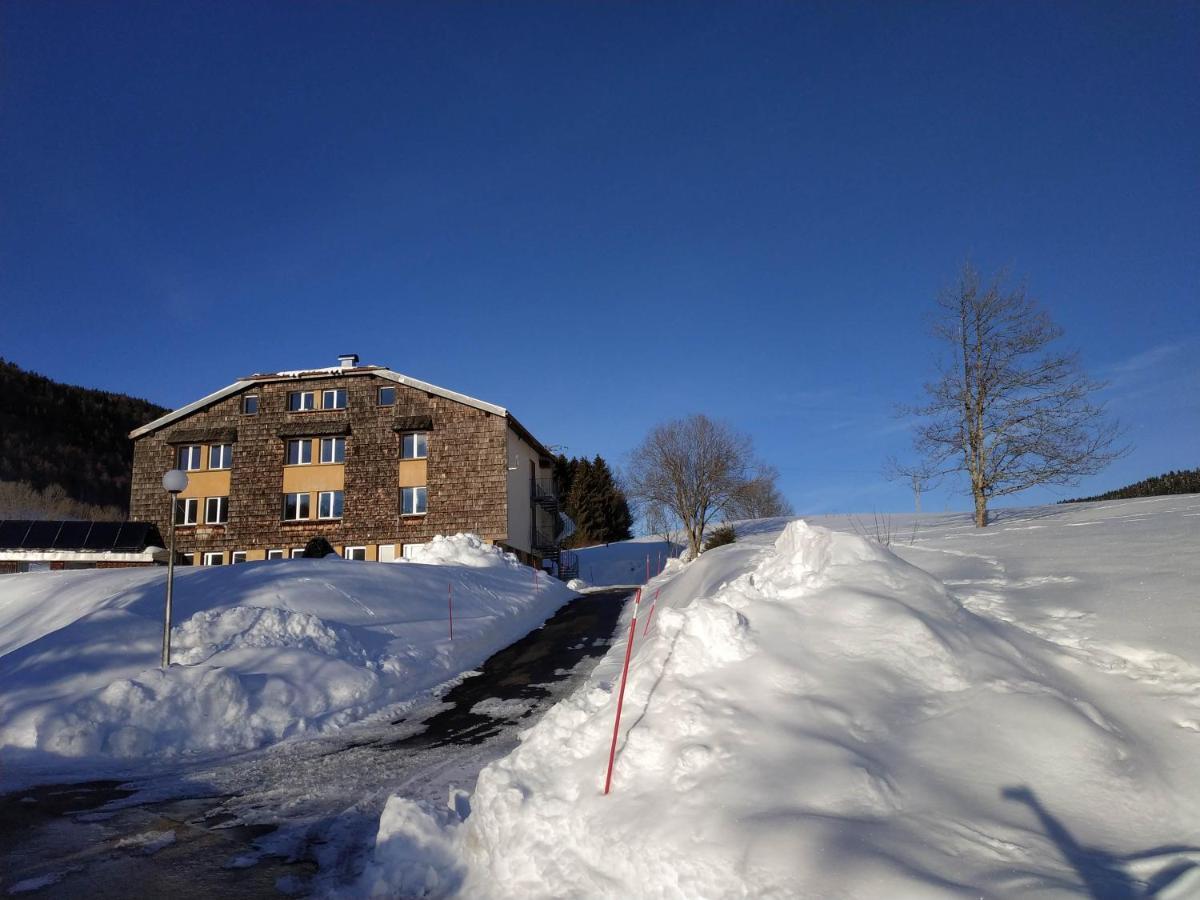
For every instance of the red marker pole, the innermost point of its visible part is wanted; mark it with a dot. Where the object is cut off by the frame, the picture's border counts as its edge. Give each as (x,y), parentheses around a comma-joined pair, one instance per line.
(650,618)
(612,753)
(450,604)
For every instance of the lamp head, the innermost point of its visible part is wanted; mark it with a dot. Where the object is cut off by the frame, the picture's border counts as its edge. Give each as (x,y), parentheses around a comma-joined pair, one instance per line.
(175,481)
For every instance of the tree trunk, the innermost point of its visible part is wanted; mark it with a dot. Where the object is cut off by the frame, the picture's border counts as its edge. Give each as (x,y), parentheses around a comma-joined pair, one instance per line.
(981,512)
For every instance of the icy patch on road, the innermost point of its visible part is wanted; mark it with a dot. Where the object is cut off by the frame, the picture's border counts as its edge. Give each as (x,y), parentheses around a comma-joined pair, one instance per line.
(495,708)
(147,843)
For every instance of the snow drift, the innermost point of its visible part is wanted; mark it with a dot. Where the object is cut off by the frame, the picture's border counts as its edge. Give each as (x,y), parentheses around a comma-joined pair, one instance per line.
(262,650)
(814,717)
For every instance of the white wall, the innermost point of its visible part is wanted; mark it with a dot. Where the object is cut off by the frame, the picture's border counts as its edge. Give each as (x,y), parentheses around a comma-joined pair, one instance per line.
(520,515)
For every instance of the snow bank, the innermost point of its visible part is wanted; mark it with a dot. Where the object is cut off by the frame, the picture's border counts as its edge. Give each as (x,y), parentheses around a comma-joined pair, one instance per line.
(462,550)
(811,716)
(260,651)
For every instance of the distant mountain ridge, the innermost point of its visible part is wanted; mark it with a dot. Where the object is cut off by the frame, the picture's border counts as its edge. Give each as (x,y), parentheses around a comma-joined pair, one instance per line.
(1186,481)
(74,437)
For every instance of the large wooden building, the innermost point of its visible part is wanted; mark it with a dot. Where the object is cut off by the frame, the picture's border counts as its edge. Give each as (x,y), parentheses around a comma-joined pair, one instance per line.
(373,460)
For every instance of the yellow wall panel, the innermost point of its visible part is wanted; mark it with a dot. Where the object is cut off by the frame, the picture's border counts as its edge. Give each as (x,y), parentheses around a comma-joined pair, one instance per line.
(413,473)
(330,477)
(207,484)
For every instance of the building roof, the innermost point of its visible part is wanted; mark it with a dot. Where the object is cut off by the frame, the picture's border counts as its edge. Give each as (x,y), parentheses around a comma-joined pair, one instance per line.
(302,374)
(124,537)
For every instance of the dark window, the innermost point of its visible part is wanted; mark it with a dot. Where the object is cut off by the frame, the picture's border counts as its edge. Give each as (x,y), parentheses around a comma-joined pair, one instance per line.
(334,399)
(220,456)
(387,396)
(250,405)
(412,501)
(189,458)
(333,450)
(216,510)
(298,401)
(185,510)
(295,507)
(329,504)
(299,452)
(414,445)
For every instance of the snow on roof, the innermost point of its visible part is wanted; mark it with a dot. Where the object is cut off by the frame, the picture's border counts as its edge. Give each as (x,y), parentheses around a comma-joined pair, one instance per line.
(380,371)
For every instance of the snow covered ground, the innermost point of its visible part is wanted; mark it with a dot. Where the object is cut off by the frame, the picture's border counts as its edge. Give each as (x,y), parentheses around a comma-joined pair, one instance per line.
(625,562)
(1012,712)
(266,651)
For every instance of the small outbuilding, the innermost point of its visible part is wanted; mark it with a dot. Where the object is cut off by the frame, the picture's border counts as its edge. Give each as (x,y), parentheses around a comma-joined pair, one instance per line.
(31,546)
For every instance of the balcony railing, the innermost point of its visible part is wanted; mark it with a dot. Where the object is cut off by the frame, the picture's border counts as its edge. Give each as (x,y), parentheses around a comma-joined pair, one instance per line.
(541,492)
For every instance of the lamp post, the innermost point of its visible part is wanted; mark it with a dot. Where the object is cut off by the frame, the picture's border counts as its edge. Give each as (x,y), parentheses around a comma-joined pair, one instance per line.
(173,482)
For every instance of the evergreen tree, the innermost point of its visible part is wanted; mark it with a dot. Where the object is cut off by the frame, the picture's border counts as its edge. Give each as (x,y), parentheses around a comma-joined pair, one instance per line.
(593,501)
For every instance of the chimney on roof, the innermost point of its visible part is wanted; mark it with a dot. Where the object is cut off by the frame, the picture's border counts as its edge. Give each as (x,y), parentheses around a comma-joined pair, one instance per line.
(348,360)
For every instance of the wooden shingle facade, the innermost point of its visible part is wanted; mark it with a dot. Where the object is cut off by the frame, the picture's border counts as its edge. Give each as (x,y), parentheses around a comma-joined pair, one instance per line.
(370,459)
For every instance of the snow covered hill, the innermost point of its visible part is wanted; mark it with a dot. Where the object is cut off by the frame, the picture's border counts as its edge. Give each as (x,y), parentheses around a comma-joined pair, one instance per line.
(1014,712)
(266,650)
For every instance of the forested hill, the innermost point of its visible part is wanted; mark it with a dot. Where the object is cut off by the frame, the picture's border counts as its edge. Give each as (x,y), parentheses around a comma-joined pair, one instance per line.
(1184,482)
(75,437)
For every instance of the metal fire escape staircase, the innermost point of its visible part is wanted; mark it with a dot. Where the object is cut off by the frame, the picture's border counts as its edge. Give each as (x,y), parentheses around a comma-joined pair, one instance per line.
(551,527)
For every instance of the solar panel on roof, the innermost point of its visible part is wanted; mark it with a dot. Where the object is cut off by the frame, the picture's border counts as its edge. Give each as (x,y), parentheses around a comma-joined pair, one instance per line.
(102,536)
(132,536)
(12,533)
(41,535)
(72,535)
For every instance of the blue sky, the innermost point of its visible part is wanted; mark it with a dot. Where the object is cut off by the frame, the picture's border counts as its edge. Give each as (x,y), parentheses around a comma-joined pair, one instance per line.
(604,215)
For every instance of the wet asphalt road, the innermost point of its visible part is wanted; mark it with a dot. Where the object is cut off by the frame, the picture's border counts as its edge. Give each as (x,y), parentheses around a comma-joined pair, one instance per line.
(298,818)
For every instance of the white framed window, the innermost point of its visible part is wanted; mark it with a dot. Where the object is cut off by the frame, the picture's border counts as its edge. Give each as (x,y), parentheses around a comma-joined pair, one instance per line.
(237,556)
(333,399)
(216,510)
(329,504)
(220,456)
(333,450)
(408,551)
(414,445)
(250,405)
(301,401)
(276,554)
(359,553)
(214,559)
(187,559)
(386,396)
(186,509)
(296,507)
(299,452)
(412,501)
(297,553)
(188,458)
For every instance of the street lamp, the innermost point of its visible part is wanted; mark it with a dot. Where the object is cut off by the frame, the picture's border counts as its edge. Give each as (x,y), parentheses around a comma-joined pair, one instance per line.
(173,482)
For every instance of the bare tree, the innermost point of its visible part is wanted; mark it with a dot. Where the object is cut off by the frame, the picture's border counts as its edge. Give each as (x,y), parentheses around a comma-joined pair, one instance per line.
(1005,409)
(691,467)
(759,497)
(661,521)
